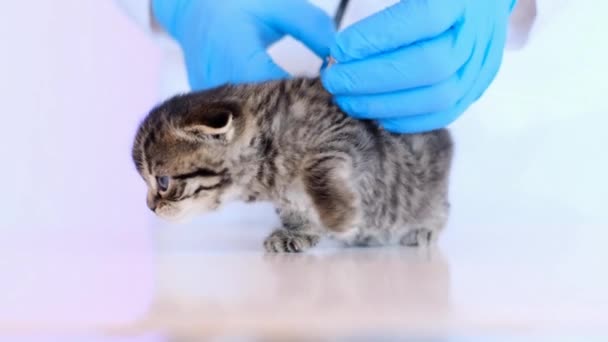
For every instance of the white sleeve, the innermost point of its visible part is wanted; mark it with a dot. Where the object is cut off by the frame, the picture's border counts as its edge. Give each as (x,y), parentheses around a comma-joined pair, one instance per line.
(529,18)
(547,10)
(140,11)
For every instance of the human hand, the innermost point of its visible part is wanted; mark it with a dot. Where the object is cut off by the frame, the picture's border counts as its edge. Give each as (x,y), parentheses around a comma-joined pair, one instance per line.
(226,41)
(419,64)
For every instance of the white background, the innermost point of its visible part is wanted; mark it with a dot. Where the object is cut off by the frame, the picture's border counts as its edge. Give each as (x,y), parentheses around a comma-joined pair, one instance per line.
(77,76)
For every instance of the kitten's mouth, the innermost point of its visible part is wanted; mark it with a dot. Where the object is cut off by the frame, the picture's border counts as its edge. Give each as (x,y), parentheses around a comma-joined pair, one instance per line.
(179,219)
(174,215)
(179,216)
(183,212)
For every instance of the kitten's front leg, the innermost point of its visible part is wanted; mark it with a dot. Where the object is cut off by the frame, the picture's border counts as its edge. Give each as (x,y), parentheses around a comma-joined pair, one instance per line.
(296,235)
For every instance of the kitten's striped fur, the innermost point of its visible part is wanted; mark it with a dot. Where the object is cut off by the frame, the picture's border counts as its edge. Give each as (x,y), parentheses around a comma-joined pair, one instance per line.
(286,142)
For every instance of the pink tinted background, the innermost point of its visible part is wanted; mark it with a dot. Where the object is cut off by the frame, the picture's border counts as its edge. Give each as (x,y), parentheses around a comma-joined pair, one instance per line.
(77,76)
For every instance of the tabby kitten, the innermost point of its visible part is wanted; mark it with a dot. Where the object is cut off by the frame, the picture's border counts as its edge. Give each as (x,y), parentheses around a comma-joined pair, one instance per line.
(327,174)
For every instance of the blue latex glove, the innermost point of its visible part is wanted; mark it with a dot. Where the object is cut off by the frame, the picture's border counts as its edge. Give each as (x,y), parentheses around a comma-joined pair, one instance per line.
(418,65)
(226,41)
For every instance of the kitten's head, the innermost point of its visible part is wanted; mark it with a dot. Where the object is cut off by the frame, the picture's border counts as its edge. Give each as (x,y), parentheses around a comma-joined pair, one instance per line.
(183,150)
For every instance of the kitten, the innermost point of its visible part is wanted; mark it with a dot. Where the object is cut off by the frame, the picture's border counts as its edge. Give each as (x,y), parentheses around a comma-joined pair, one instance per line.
(327,174)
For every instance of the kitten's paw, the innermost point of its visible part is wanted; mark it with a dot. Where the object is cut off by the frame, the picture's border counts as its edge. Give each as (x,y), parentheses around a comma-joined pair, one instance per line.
(284,241)
(418,237)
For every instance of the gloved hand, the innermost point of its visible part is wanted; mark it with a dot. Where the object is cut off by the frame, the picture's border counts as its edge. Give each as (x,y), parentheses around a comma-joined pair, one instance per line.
(225,41)
(418,65)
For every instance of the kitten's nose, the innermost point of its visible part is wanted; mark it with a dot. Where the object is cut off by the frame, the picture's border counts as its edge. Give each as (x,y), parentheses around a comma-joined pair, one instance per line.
(152,203)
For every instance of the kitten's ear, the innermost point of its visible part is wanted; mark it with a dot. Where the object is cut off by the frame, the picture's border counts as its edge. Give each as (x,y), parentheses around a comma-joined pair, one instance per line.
(212,119)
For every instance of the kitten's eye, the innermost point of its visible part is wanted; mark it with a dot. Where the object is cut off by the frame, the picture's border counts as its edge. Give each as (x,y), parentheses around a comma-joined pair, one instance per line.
(163,183)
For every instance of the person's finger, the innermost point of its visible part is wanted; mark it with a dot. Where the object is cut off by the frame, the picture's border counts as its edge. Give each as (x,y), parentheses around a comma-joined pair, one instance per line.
(418,65)
(220,63)
(402,24)
(405,103)
(493,58)
(164,13)
(424,122)
(428,122)
(423,100)
(259,67)
(303,21)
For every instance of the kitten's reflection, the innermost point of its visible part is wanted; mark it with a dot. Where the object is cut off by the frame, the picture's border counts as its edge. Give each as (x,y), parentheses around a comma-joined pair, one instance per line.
(337,292)
(388,281)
